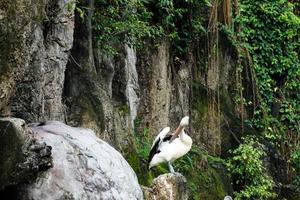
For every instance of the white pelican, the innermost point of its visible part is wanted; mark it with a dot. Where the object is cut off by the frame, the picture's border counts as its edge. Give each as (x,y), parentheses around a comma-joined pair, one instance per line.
(169,147)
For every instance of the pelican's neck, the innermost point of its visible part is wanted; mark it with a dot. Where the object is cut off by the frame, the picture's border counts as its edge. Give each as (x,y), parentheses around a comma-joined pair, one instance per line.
(185,138)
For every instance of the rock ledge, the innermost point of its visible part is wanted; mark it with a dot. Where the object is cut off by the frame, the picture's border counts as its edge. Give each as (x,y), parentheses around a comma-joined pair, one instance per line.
(171,186)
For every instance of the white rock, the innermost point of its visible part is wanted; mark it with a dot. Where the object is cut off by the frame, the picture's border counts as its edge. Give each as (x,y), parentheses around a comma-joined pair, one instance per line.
(85,167)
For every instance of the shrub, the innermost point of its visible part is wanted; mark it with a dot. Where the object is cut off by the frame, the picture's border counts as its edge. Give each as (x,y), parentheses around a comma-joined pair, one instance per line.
(248,172)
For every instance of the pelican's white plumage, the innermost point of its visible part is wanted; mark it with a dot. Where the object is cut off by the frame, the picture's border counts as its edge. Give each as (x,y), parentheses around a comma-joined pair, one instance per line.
(169,147)
(162,134)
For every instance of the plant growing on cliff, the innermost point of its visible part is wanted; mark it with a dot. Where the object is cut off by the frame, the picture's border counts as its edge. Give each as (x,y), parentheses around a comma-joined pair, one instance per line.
(134,22)
(119,21)
(296,165)
(248,172)
(269,30)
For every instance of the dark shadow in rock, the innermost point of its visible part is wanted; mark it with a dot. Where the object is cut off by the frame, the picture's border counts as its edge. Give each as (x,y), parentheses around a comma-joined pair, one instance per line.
(10,193)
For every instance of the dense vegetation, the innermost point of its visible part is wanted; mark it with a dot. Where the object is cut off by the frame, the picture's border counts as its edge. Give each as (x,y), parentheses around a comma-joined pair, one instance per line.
(266,36)
(248,172)
(270,32)
(135,22)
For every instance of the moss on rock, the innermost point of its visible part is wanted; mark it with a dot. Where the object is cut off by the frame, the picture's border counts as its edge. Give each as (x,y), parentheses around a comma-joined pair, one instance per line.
(206,175)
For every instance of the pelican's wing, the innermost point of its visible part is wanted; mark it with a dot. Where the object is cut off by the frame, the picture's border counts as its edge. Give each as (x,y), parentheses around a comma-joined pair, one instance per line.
(159,138)
(157,142)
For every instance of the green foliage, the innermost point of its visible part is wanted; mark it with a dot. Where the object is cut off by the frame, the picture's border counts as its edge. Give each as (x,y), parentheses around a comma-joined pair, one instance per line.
(246,168)
(181,21)
(119,21)
(296,164)
(270,32)
(204,177)
(134,22)
(143,144)
(70,5)
(123,110)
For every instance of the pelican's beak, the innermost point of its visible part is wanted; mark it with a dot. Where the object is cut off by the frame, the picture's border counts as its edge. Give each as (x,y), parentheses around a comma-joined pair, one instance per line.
(177,132)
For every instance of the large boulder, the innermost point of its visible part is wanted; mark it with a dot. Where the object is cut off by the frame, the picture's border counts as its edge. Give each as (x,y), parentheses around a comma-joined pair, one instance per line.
(171,186)
(84,167)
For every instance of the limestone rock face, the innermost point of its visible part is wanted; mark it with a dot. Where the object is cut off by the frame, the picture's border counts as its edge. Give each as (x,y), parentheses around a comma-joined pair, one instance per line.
(35,39)
(100,90)
(155,83)
(51,68)
(22,157)
(84,167)
(171,186)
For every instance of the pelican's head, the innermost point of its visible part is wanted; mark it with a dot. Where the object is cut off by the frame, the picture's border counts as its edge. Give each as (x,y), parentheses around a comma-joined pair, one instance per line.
(185,121)
(228,198)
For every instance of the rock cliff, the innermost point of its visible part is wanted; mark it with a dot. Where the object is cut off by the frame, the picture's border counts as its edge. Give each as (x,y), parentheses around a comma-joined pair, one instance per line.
(36,37)
(51,68)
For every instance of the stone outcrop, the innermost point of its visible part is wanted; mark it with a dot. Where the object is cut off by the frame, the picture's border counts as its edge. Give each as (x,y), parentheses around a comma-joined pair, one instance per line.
(155,82)
(84,167)
(227,198)
(171,186)
(35,39)
(101,90)
(22,157)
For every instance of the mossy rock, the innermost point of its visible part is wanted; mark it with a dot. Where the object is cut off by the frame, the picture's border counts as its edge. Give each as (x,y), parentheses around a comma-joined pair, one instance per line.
(206,176)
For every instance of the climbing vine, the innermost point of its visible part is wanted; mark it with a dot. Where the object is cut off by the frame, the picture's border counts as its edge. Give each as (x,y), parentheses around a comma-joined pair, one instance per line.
(269,31)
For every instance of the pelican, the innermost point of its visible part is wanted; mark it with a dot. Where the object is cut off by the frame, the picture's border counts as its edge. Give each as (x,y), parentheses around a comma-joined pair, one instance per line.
(169,147)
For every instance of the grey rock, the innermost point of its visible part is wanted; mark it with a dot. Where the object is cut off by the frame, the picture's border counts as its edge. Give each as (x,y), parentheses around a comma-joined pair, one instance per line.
(171,186)
(84,167)
(35,46)
(20,160)
(132,86)
(155,85)
(101,91)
